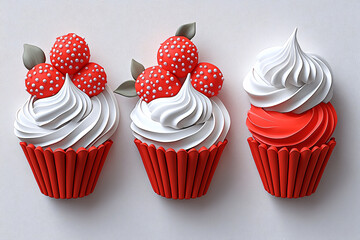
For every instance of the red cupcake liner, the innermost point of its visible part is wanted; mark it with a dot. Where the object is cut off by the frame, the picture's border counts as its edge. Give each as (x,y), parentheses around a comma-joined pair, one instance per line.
(182,174)
(66,174)
(290,173)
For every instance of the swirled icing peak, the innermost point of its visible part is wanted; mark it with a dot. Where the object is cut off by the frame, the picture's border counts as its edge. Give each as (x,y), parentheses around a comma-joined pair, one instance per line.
(68,119)
(286,79)
(187,108)
(185,121)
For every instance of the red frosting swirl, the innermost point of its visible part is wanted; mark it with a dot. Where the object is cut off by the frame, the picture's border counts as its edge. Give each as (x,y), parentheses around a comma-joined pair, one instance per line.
(311,128)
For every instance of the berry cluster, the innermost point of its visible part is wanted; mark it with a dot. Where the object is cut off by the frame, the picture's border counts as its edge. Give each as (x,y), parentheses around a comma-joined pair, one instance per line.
(70,55)
(176,57)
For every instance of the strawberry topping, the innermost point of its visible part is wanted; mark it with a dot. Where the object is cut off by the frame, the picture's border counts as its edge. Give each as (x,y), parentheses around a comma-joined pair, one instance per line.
(69,54)
(44,80)
(178,55)
(207,79)
(155,82)
(91,79)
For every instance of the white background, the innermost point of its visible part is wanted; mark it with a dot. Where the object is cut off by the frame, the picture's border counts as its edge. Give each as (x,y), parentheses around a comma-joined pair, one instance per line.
(229,34)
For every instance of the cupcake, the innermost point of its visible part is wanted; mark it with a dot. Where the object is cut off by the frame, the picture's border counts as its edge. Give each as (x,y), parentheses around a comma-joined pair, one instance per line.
(291,119)
(179,123)
(65,125)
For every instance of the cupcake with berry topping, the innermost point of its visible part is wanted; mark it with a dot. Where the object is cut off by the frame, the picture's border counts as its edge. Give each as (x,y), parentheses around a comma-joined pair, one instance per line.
(291,119)
(65,125)
(179,123)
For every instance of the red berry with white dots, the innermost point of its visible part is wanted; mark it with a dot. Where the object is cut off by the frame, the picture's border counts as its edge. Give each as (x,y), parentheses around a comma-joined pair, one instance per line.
(69,54)
(207,79)
(178,55)
(44,80)
(156,82)
(91,79)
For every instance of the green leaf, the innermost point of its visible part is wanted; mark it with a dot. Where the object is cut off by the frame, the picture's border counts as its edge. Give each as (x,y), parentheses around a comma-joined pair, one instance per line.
(187,30)
(127,89)
(136,69)
(32,56)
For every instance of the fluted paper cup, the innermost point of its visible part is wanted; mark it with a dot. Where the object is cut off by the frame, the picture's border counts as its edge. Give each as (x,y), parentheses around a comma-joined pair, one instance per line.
(66,173)
(290,173)
(182,174)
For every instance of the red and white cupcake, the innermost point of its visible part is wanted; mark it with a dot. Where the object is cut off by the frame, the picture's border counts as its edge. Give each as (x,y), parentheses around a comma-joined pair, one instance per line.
(65,125)
(291,119)
(179,128)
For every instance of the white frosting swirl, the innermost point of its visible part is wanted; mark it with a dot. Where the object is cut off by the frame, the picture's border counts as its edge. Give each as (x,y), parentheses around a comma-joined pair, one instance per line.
(187,120)
(286,79)
(185,109)
(68,119)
